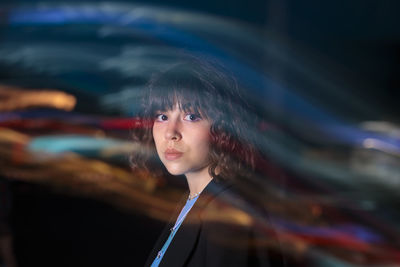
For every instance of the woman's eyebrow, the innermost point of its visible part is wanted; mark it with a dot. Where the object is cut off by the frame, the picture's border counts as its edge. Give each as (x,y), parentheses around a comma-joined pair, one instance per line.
(161,110)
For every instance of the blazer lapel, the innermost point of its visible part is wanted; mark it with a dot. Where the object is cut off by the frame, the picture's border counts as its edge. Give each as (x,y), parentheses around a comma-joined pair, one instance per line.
(183,243)
(186,237)
(159,243)
(164,234)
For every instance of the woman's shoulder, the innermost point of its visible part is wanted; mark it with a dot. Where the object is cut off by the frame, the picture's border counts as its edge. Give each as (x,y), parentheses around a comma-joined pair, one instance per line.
(223,204)
(233,221)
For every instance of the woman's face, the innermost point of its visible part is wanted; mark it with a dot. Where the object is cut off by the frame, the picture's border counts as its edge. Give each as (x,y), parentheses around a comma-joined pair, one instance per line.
(182,141)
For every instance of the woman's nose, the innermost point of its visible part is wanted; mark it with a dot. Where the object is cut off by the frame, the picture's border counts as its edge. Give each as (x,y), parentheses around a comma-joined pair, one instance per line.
(173,131)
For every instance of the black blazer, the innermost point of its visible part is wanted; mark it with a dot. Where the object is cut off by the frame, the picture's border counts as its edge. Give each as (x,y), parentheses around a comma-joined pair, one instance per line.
(205,241)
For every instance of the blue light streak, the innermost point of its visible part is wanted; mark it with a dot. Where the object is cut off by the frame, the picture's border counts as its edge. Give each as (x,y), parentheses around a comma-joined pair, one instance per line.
(258,82)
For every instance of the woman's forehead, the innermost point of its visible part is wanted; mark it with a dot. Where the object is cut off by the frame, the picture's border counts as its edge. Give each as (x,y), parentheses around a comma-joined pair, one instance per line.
(184,107)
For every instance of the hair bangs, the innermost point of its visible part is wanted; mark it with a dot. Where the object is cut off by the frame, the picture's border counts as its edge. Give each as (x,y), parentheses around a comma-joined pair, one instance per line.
(190,94)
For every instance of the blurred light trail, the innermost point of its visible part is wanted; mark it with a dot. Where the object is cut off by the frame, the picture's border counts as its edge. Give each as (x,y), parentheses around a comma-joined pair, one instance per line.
(156,27)
(353,217)
(159,27)
(8,135)
(154,23)
(69,122)
(85,145)
(346,234)
(380,145)
(14,98)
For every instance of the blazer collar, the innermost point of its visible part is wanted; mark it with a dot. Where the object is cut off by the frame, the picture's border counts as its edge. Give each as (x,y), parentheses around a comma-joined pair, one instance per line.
(212,190)
(187,235)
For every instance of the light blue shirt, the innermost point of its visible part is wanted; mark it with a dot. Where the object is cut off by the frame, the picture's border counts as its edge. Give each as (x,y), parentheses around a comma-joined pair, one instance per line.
(189,204)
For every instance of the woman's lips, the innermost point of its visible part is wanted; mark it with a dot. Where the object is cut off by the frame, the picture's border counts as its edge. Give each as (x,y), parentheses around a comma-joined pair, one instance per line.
(172,154)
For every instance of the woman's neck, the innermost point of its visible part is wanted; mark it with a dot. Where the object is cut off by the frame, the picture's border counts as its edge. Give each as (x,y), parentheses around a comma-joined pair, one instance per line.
(197,181)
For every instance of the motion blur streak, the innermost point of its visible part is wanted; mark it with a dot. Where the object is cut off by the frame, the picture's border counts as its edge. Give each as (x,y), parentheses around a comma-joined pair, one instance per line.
(13,98)
(329,163)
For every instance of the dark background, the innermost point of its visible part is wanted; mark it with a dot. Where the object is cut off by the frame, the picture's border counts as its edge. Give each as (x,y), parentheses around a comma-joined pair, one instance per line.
(360,38)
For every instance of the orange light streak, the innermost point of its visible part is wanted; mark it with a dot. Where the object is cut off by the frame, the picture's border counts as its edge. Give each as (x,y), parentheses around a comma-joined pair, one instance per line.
(15,98)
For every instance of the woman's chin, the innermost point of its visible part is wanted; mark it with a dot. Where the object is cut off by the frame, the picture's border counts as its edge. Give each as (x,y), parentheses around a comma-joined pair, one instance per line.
(175,172)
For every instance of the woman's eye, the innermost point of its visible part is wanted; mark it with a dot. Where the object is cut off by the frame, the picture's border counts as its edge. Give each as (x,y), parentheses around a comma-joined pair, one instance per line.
(192,117)
(161,117)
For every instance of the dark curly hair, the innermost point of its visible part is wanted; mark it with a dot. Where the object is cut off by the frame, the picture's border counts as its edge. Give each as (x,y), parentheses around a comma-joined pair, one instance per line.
(204,87)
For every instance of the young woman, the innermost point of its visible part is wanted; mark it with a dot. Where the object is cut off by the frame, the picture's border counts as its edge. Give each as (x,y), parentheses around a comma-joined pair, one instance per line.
(201,127)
